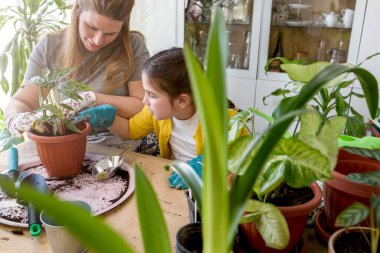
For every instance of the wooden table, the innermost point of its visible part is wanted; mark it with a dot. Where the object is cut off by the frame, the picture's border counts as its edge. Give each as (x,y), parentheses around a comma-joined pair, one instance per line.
(123,218)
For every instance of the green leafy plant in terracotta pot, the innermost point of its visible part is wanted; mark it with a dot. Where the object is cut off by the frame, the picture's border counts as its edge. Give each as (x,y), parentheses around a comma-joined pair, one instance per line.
(214,197)
(61,145)
(222,207)
(341,192)
(286,185)
(357,212)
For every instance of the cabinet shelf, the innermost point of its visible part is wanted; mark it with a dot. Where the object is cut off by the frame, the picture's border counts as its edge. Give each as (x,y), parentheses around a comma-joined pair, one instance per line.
(312,26)
(227,23)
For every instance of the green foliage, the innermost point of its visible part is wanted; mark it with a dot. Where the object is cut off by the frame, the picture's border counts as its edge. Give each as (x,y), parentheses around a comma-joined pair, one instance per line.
(7,140)
(150,214)
(270,223)
(54,87)
(209,92)
(331,100)
(365,152)
(358,212)
(222,207)
(31,20)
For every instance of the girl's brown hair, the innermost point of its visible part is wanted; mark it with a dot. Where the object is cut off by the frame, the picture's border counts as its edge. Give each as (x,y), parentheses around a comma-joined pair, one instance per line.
(117,56)
(167,70)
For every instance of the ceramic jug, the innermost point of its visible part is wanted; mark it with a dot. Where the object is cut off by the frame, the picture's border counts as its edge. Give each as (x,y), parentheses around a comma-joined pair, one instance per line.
(331,19)
(348,17)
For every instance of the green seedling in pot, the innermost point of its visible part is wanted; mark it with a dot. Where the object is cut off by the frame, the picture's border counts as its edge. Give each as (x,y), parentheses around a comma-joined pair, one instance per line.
(296,161)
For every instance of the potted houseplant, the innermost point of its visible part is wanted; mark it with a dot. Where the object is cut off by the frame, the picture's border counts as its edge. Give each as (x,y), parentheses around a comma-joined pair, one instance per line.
(294,165)
(61,145)
(218,198)
(221,208)
(331,101)
(31,20)
(340,192)
(356,213)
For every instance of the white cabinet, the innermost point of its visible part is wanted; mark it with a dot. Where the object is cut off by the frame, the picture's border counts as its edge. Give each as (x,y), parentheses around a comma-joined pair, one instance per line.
(304,28)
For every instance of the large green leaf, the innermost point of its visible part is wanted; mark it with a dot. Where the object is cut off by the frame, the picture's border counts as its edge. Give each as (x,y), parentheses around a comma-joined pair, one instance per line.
(296,163)
(366,152)
(85,227)
(269,222)
(352,215)
(237,165)
(369,178)
(209,93)
(150,216)
(303,73)
(7,140)
(326,139)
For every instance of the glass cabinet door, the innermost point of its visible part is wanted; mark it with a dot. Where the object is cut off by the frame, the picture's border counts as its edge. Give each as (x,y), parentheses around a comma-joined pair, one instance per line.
(310,30)
(238,18)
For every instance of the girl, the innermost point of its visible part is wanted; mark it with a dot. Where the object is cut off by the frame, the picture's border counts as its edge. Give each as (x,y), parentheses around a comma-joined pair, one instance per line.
(169,109)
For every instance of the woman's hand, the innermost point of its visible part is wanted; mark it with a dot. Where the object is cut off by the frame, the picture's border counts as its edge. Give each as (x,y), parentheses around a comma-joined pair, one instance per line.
(20,122)
(88,101)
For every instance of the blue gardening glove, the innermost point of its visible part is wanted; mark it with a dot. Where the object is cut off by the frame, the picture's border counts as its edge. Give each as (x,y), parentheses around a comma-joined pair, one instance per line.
(176,181)
(98,116)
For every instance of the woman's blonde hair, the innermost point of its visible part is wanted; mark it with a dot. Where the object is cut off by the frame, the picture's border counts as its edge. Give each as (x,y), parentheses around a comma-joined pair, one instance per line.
(117,56)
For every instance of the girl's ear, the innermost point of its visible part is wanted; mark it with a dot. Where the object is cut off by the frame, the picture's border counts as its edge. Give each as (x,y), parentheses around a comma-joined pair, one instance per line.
(183,100)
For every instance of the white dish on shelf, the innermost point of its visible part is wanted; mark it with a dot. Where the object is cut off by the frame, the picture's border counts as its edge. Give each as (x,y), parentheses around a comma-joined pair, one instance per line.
(299,6)
(298,22)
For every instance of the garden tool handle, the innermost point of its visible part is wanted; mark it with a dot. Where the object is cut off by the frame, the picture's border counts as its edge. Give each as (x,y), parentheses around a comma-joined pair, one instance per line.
(13,171)
(34,221)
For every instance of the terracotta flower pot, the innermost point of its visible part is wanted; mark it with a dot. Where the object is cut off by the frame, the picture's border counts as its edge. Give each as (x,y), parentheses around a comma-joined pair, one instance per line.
(62,156)
(344,231)
(340,192)
(296,217)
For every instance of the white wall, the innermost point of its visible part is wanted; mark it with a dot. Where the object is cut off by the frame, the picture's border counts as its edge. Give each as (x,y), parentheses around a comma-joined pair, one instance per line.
(157,21)
(370,44)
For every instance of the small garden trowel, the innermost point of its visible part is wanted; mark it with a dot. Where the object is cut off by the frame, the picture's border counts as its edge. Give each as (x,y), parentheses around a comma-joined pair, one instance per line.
(34,180)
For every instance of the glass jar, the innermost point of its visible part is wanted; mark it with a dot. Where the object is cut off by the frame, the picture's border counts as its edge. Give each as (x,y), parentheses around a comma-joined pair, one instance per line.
(239,10)
(337,55)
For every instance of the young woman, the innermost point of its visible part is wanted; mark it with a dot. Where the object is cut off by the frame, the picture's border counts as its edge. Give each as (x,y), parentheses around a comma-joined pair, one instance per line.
(104,53)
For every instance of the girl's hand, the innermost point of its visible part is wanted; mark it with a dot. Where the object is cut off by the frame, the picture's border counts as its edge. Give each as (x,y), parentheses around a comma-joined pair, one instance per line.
(176,181)
(98,116)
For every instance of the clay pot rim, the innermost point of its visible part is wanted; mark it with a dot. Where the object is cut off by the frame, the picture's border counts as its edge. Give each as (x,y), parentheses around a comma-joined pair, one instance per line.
(318,218)
(292,211)
(60,139)
(337,234)
(340,181)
